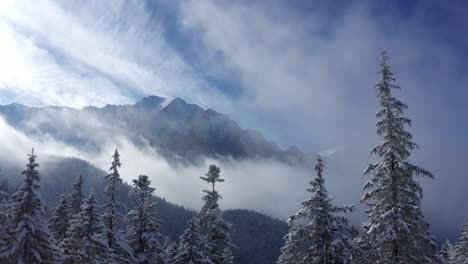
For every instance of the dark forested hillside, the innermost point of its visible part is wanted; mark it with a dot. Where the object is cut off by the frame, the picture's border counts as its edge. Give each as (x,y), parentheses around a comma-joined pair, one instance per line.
(255,233)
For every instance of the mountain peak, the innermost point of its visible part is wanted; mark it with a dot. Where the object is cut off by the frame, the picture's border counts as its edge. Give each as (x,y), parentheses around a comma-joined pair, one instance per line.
(151,101)
(173,101)
(157,102)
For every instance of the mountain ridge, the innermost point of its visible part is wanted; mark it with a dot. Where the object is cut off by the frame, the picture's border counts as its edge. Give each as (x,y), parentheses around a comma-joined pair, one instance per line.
(181,132)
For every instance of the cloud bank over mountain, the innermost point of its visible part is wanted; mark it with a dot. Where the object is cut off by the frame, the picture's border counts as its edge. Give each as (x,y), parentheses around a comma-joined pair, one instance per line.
(250,182)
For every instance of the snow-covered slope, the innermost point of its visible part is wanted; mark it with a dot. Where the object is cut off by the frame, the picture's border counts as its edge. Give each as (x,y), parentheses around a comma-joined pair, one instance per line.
(176,129)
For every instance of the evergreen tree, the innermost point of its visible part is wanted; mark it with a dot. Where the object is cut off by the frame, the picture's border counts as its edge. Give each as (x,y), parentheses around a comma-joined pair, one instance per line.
(191,246)
(112,206)
(293,250)
(85,241)
(6,235)
(460,254)
(228,256)
(69,205)
(446,253)
(76,197)
(58,222)
(318,233)
(170,252)
(112,215)
(143,231)
(396,228)
(211,198)
(32,241)
(218,246)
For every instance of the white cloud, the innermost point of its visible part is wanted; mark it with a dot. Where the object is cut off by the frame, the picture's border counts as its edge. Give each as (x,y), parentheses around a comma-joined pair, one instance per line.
(17,145)
(89,52)
(268,187)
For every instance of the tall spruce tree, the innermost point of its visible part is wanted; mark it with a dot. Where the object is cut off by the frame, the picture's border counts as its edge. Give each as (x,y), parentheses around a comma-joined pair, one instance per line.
(59,221)
(446,253)
(396,229)
(68,206)
(85,241)
(76,197)
(32,241)
(191,246)
(218,246)
(171,251)
(112,214)
(318,232)
(460,251)
(143,227)
(6,234)
(212,197)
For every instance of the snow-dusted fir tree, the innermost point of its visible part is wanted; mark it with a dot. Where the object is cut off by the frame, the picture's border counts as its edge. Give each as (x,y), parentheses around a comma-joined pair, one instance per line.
(191,246)
(58,222)
(112,214)
(319,233)
(32,242)
(85,241)
(218,246)
(396,229)
(68,206)
(76,197)
(143,226)
(446,253)
(171,251)
(6,235)
(211,197)
(460,252)
(112,207)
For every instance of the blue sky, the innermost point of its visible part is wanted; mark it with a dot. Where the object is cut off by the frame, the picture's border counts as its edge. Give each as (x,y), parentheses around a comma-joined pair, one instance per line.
(301,72)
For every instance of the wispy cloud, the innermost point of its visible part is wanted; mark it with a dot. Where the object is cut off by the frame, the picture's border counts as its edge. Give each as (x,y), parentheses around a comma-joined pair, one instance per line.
(267,187)
(90,52)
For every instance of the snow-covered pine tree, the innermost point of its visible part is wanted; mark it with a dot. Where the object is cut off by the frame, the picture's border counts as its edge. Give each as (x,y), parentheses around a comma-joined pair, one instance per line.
(85,241)
(112,206)
(460,251)
(112,214)
(68,206)
(446,253)
(32,242)
(6,235)
(228,255)
(170,252)
(58,222)
(211,198)
(293,250)
(318,232)
(76,197)
(218,246)
(143,227)
(396,228)
(191,246)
